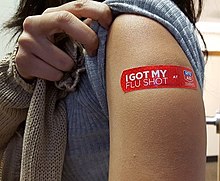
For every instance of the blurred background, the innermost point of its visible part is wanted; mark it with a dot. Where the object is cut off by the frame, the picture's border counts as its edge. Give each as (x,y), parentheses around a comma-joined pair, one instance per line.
(8,7)
(209,25)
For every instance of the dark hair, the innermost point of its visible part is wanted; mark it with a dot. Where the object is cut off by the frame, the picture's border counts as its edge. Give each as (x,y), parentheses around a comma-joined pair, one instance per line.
(28,8)
(188,8)
(35,7)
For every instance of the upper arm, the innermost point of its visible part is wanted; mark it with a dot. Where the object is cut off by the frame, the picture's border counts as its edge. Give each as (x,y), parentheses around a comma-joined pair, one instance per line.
(155,134)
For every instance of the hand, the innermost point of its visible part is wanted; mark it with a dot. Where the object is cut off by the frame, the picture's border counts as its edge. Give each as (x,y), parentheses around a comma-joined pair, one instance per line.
(37,56)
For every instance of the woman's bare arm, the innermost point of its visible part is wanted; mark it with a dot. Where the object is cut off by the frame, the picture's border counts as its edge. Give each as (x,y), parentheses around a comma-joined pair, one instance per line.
(155,134)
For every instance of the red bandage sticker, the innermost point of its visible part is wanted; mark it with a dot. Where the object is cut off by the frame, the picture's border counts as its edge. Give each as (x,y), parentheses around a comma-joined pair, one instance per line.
(161,76)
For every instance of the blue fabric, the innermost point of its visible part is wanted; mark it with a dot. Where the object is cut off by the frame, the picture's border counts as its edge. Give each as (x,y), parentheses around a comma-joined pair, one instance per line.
(87,153)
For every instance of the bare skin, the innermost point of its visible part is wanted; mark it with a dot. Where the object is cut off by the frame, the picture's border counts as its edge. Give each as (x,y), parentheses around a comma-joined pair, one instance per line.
(155,134)
(37,56)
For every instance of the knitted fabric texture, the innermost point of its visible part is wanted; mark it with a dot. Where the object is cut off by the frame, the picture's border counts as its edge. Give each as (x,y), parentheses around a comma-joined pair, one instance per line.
(88,131)
(14,104)
(70,79)
(41,106)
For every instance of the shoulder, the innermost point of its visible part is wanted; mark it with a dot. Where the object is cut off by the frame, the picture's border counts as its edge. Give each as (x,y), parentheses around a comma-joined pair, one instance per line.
(166,14)
(138,35)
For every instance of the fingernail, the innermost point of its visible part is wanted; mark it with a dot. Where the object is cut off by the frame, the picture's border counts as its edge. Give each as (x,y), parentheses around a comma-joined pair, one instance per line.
(92,54)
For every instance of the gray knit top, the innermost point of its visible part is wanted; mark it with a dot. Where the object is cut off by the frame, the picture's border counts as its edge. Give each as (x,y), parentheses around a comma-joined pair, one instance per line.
(87,152)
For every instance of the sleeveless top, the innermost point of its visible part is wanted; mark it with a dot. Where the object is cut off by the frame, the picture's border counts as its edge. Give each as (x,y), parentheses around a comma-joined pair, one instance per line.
(87,152)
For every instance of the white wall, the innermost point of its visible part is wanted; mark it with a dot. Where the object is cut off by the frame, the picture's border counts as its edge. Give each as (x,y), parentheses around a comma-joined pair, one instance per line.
(212,90)
(212,86)
(8,7)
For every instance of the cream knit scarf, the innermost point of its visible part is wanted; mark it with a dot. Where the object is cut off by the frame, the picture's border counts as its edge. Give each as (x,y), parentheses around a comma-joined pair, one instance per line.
(45,134)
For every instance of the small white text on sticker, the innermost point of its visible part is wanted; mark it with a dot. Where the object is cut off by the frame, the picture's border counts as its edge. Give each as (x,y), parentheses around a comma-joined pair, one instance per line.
(146,78)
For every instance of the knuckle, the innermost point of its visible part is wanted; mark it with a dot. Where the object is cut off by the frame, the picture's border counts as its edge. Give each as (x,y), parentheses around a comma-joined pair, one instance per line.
(107,11)
(107,14)
(79,3)
(64,17)
(24,40)
(48,10)
(28,23)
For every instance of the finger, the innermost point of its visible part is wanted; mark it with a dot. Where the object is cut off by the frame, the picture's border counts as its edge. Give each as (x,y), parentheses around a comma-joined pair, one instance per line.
(62,21)
(88,21)
(46,51)
(54,56)
(87,9)
(30,66)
